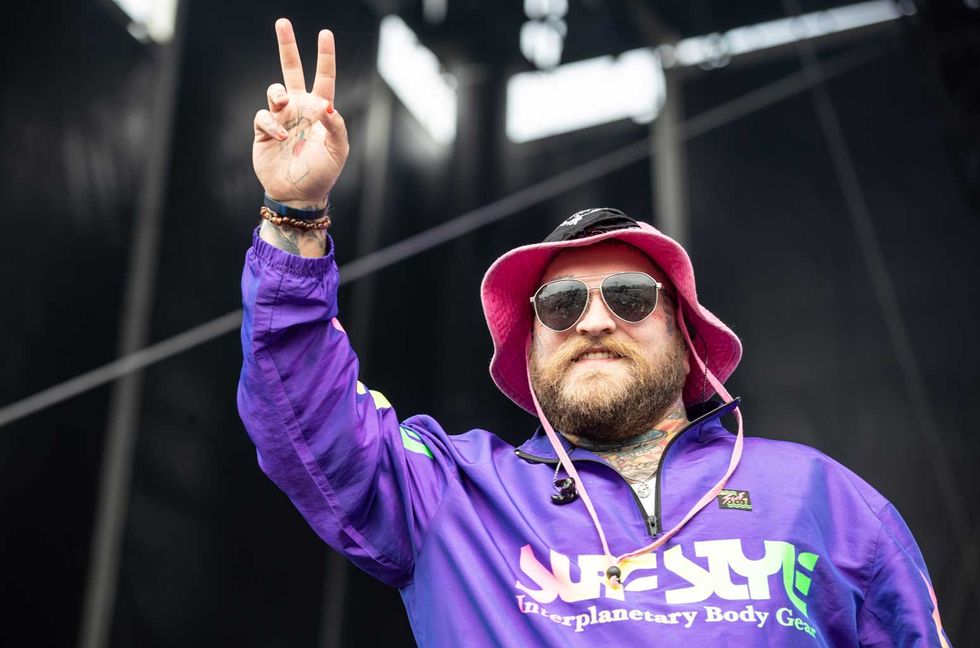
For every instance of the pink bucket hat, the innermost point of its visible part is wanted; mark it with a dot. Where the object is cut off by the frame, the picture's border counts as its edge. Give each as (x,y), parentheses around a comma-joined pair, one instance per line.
(513,278)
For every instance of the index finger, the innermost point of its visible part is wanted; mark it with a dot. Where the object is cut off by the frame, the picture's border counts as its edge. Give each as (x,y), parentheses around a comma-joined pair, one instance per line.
(326,66)
(292,67)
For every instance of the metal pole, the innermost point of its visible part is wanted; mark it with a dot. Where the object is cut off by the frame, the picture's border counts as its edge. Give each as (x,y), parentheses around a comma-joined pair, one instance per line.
(124,405)
(669,164)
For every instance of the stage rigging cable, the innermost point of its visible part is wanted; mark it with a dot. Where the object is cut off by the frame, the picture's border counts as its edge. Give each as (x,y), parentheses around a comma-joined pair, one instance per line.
(705,122)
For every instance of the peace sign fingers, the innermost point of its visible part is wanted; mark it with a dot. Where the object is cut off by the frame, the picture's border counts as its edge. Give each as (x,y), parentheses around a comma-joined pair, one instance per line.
(300,145)
(326,66)
(292,67)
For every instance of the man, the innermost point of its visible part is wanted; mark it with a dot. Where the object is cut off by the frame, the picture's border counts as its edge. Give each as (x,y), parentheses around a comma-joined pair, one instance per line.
(641,520)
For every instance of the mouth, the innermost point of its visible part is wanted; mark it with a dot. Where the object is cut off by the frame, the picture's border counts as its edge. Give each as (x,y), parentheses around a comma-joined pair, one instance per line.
(597,354)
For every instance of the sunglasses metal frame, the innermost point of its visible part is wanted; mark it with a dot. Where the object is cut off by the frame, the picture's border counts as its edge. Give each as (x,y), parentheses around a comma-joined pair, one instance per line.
(588,298)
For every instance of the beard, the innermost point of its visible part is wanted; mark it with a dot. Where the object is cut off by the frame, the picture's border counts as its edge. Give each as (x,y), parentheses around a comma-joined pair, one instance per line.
(604,408)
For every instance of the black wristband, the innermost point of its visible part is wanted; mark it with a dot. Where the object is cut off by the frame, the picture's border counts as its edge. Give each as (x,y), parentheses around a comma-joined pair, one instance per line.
(279,209)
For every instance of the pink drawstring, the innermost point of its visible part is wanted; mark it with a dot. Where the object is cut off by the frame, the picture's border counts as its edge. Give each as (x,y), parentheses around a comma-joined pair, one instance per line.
(570,469)
(700,504)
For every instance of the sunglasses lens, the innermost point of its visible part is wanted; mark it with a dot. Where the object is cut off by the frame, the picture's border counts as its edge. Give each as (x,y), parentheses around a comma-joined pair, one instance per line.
(560,303)
(632,296)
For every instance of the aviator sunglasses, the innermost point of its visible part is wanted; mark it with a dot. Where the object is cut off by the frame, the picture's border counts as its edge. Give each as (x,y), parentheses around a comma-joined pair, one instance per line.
(630,296)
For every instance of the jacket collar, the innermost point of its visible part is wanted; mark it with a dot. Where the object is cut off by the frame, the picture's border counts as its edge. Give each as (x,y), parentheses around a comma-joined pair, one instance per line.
(704,417)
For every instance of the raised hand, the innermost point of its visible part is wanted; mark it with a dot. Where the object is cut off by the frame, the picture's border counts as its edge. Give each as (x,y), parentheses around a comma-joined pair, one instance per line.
(300,142)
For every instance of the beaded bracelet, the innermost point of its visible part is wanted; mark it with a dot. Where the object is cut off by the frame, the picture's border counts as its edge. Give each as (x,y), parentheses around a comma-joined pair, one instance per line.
(296,223)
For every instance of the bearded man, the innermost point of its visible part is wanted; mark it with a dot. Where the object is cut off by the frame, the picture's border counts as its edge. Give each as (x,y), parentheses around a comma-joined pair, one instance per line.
(632,517)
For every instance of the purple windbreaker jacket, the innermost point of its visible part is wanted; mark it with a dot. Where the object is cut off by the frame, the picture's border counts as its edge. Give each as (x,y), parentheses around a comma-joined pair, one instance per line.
(798,551)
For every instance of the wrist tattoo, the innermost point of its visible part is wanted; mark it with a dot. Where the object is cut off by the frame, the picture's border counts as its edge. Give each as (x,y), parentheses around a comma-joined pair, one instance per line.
(312,243)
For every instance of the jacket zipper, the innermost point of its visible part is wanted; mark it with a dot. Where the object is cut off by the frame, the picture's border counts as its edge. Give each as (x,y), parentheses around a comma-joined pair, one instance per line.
(652,522)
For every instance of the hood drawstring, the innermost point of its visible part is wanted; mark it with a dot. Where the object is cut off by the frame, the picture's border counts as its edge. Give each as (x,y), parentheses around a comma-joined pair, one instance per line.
(614,573)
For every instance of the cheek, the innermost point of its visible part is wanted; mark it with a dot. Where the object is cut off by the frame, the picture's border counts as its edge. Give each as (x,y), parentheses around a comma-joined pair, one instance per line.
(649,333)
(654,336)
(543,341)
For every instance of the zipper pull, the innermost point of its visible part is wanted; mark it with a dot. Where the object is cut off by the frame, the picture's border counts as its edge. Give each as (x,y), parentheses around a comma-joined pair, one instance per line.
(653,525)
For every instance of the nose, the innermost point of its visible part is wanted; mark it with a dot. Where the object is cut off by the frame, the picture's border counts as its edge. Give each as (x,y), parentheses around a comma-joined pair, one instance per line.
(597,318)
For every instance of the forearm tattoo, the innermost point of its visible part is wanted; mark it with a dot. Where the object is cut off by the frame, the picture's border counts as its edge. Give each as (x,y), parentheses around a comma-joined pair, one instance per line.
(301,243)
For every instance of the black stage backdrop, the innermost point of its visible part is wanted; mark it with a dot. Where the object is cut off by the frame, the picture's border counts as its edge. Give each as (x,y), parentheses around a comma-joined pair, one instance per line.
(213,554)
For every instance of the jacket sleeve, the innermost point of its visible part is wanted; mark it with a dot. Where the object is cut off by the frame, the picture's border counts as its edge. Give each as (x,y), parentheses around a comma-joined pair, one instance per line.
(900,607)
(366,484)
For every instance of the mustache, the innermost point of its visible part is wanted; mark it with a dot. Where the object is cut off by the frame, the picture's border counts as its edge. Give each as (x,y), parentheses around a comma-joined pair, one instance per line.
(570,352)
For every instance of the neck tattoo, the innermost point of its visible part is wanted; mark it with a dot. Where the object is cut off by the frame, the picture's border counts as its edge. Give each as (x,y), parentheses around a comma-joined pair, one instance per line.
(621,446)
(638,459)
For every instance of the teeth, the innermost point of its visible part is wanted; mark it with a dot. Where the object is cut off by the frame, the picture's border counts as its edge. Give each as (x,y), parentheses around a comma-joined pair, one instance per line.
(597,355)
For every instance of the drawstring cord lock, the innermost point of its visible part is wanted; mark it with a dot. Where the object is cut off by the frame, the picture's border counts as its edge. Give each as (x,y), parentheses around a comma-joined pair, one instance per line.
(566,491)
(614,575)
(565,487)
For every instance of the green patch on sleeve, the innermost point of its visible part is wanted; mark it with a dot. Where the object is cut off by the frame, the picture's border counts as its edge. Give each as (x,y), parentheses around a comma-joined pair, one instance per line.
(413,442)
(380,401)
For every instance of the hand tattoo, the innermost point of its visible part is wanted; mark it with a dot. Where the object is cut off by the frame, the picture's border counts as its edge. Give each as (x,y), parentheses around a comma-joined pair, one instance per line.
(299,129)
